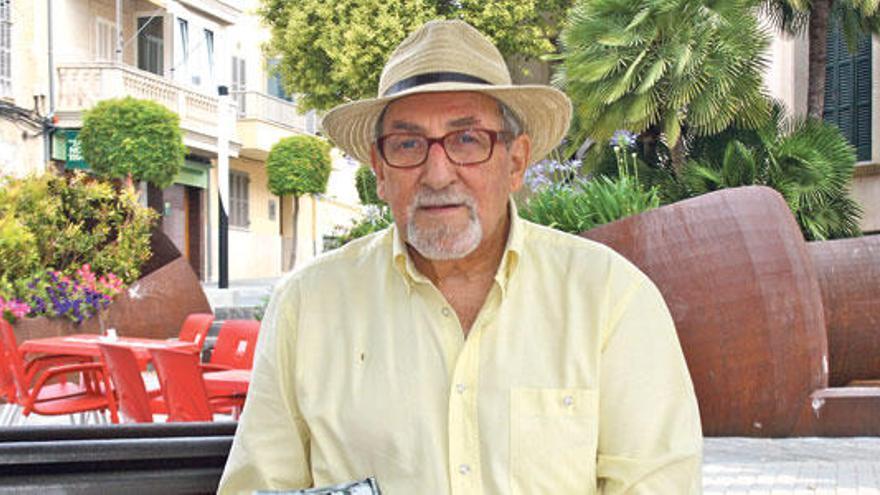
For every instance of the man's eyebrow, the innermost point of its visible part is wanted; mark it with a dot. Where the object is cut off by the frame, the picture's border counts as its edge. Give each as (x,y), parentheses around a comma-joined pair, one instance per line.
(401,125)
(463,122)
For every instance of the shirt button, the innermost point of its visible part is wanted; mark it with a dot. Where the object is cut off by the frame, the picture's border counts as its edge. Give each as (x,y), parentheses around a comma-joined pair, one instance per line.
(460,388)
(464,469)
(568,400)
(446,312)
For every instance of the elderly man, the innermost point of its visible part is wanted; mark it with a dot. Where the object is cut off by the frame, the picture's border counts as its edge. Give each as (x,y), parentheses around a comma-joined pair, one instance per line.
(465,350)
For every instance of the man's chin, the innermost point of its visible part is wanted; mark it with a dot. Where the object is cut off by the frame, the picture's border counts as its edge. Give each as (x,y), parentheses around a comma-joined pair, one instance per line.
(443,244)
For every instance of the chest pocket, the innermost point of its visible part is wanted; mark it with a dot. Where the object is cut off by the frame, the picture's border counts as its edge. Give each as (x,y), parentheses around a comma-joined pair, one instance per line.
(553,435)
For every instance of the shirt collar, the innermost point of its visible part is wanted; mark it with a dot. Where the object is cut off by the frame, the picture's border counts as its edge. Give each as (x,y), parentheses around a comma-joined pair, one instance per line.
(509,261)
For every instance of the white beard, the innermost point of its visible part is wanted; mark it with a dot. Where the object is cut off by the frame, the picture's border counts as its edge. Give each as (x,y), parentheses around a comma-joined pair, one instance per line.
(440,241)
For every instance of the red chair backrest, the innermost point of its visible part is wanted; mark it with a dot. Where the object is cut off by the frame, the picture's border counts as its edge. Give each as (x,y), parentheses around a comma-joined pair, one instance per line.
(235,344)
(195,327)
(182,386)
(128,383)
(12,382)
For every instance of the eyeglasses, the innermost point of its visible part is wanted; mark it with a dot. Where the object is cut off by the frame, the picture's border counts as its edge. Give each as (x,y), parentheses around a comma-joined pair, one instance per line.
(463,147)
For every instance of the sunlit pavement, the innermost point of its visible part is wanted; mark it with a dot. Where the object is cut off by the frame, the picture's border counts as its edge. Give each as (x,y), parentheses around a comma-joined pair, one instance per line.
(832,466)
(823,466)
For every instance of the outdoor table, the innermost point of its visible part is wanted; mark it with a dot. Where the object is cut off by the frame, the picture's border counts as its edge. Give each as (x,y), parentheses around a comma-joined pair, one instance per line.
(86,344)
(231,382)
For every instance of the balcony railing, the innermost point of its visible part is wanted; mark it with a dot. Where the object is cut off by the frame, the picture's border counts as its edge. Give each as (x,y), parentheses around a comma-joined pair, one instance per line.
(81,86)
(261,106)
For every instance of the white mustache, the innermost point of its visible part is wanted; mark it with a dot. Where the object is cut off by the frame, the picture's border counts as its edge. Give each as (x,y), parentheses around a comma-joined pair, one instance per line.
(429,198)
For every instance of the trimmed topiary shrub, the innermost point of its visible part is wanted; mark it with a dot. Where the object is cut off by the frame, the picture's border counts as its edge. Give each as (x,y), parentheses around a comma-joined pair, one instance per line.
(127,137)
(298,165)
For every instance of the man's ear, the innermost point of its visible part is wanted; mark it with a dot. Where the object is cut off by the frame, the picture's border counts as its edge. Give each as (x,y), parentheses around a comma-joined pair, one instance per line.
(520,153)
(376,165)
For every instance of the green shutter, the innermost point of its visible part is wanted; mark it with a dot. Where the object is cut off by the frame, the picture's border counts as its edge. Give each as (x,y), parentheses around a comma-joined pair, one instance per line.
(848,90)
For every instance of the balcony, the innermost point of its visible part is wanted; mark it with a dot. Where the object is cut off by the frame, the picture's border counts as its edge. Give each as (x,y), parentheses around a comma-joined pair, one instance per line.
(264,119)
(81,86)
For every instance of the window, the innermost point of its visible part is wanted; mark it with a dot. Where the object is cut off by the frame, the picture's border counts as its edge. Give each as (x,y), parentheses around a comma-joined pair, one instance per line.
(5,48)
(182,47)
(848,89)
(239,83)
(105,40)
(239,182)
(151,45)
(209,56)
(273,84)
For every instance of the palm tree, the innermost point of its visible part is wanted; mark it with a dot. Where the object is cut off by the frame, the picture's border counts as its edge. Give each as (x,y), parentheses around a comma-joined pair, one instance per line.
(808,161)
(856,17)
(664,69)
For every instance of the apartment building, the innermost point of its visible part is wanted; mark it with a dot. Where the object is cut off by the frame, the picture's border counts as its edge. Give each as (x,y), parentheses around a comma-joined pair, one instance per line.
(58,58)
(852,102)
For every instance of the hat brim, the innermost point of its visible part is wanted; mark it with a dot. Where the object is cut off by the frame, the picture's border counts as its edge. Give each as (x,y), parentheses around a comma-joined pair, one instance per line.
(544,111)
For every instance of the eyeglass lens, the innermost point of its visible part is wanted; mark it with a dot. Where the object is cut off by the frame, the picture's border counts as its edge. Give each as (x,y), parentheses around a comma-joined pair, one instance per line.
(462,147)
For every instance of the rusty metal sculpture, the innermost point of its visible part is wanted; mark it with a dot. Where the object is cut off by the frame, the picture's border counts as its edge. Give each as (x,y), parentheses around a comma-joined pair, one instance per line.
(735,272)
(154,306)
(849,277)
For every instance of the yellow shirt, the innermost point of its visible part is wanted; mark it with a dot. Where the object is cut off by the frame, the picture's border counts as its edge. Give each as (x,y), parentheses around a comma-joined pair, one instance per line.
(571,379)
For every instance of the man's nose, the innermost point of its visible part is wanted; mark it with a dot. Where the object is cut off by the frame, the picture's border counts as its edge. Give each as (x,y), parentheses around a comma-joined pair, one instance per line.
(437,171)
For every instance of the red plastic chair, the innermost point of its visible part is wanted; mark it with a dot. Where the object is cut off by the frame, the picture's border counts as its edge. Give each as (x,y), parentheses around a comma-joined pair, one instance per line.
(195,328)
(235,344)
(131,394)
(45,391)
(186,398)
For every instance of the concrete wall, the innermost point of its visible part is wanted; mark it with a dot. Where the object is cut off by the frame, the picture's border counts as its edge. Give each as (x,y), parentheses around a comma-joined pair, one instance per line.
(22,145)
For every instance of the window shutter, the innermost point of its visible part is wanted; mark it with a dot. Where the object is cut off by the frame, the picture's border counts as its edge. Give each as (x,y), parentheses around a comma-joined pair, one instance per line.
(862,110)
(848,90)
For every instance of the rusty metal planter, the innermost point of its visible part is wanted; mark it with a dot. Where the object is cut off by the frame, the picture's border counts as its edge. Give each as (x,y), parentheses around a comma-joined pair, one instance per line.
(735,272)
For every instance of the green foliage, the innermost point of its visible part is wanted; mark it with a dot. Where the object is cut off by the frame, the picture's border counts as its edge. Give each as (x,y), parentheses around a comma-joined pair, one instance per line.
(50,222)
(376,219)
(574,204)
(665,67)
(127,136)
(808,161)
(365,182)
(856,17)
(333,52)
(299,165)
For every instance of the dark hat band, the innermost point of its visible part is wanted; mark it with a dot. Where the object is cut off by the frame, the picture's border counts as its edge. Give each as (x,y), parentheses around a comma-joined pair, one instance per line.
(431,78)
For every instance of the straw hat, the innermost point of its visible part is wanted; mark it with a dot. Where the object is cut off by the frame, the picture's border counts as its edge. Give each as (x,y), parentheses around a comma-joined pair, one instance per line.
(446,56)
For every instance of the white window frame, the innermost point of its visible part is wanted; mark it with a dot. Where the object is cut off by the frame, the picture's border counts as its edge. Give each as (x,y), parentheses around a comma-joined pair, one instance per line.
(5,48)
(105,33)
(239,199)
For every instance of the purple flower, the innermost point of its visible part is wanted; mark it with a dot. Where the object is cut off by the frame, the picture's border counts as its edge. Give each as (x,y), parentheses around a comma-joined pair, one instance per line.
(623,139)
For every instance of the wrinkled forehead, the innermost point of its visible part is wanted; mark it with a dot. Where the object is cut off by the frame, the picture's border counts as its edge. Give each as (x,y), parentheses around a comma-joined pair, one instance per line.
(453,109)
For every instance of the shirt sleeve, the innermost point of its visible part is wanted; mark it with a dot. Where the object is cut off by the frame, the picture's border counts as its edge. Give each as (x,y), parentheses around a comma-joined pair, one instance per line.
(271,445)
(650,438)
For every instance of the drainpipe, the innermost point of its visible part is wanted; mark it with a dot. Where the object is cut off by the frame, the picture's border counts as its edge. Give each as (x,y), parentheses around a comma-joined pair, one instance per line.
(48,126)
(223,186)
(119,32)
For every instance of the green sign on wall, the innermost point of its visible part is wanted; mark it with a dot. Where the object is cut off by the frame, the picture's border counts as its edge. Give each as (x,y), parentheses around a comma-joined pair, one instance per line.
(73,151)
(66,148)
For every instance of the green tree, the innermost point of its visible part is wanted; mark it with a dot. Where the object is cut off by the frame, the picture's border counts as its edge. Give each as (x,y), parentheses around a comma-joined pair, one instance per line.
(365,183)
(333,52)
(808,161)
(664,69)
(856,17)
(298,165)
(50,222)
(134,139)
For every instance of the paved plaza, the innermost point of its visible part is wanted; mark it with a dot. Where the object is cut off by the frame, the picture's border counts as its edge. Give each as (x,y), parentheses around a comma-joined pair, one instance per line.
(759,466)
(825,466)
